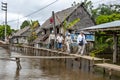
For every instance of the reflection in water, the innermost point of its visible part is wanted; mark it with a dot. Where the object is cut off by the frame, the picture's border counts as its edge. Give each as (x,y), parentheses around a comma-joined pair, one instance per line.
(17,74)
(42,69)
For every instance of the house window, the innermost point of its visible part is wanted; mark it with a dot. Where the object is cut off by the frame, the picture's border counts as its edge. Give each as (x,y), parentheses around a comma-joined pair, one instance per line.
(57,30)
(51,30)
(45,31)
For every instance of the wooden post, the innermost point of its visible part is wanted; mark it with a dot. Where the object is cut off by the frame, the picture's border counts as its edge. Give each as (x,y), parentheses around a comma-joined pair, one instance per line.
(103,60)
(18,63)
(104,71)
(89,65)
(80,63)
(115,48)
(93,65)
(53,15)
(72,63)
(110,73)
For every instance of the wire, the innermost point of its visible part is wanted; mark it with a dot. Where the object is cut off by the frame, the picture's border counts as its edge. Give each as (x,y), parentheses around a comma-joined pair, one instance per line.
(95,3)
(34,11)
(98,2)
(41,8)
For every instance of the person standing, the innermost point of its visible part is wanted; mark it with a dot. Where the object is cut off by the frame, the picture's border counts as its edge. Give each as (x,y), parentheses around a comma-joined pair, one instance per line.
(51,40)
(72,35)
(60,41)
(81,41)
(68,42)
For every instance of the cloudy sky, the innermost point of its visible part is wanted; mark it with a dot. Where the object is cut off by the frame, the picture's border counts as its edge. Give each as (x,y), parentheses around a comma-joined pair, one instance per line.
(20,10)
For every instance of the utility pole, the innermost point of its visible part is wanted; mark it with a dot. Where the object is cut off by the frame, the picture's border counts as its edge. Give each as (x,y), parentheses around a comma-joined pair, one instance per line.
(53,16)
(4,8)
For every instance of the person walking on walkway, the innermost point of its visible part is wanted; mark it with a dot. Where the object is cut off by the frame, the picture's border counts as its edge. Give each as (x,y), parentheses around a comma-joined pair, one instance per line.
(81,41)
(52,40)
(68,42)
(60,41)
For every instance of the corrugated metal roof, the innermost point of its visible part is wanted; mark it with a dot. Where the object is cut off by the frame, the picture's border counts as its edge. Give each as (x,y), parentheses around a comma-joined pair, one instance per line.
(106,26)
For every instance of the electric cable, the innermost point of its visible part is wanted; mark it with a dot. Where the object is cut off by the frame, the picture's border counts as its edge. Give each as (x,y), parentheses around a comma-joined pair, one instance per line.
(34,11)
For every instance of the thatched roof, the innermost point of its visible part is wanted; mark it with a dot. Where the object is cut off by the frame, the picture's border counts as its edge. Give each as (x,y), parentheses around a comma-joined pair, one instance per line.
(21,32)
(38,30)
(41,38)
(85,18)
(59,17)
(70,14)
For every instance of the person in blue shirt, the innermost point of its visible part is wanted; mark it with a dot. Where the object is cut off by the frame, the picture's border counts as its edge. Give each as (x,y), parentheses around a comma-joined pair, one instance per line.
(72,36)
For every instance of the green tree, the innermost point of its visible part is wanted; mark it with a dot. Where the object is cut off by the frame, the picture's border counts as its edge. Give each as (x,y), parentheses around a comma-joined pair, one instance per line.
(104,9)
(14,31)
(74,4)
(88,5)
(103,14)
(107,18)
(103,42)
(24,24)
(2,31)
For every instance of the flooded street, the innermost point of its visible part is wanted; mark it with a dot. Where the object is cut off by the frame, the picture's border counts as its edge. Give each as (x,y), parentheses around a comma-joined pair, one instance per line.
(41,69)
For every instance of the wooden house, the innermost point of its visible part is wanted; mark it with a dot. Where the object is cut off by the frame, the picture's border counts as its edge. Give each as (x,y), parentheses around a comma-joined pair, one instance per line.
(20,37)
(69,15)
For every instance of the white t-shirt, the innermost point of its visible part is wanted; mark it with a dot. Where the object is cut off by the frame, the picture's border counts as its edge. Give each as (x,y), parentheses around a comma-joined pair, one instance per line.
(60,39)
(52,36)
(79,38)
(68,39)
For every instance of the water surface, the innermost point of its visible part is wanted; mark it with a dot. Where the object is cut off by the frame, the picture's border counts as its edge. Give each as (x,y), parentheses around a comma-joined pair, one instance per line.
(41,69)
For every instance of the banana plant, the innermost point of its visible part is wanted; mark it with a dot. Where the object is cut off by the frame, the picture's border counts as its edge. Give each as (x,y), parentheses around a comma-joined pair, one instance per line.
(68,25)
(33,34)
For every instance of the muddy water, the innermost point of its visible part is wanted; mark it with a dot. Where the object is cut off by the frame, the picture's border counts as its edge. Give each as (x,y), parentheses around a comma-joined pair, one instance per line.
(41,69)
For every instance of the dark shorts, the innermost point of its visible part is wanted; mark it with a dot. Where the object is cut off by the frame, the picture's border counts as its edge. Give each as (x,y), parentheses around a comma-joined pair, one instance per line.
(51,43)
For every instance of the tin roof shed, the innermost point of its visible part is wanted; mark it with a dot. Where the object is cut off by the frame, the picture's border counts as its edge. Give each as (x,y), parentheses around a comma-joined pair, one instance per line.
(115,25)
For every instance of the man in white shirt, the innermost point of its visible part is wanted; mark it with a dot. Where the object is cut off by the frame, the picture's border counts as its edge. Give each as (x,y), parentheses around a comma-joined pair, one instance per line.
(81,46)
(60,41)
(51,40)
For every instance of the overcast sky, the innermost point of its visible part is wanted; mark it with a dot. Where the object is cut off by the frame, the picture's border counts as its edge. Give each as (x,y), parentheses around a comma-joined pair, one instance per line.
(18,9)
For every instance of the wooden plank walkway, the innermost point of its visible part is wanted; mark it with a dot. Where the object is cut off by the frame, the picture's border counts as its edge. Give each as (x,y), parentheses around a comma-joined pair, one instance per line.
(87,57)
(109,66)
(1,58)
(69,56)
(17,57)
(42,57)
